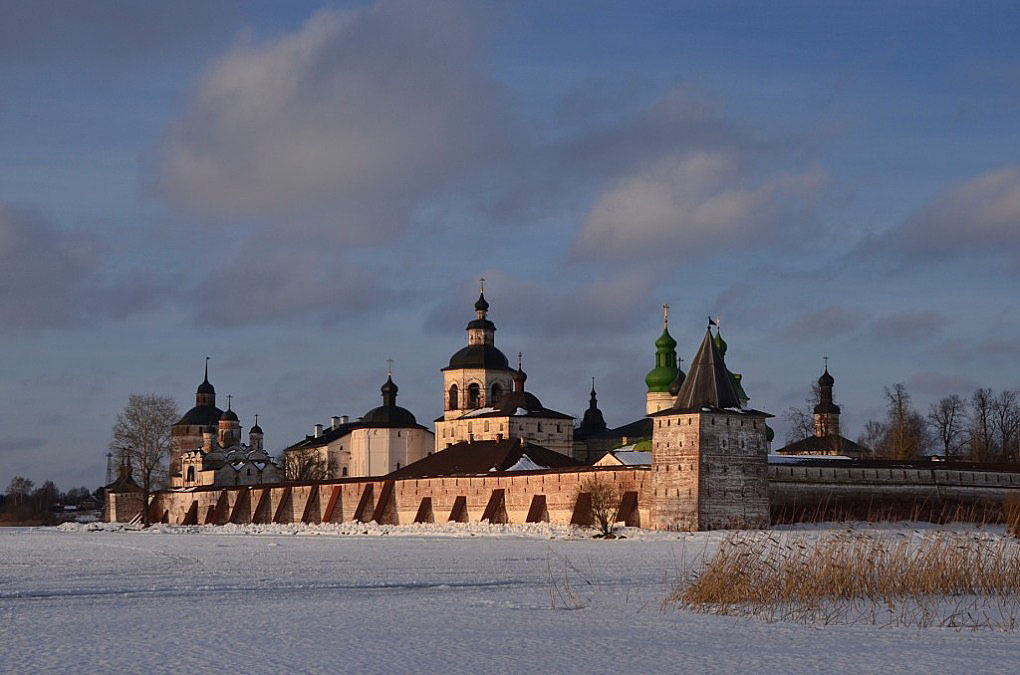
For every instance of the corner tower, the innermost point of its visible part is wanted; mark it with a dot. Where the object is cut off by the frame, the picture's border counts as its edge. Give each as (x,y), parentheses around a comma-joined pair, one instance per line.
(665,371)
(709,454)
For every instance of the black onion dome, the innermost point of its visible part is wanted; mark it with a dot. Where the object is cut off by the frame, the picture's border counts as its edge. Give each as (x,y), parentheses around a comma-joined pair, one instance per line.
(479,356)
(201,416)
(228,416)
(206,387)
(388,416)
(482,305)
(389,387)
(520,399)
(256,430)
(826,380)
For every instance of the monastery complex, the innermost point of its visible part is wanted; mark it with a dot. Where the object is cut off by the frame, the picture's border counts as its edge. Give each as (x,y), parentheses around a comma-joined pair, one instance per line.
(699,459)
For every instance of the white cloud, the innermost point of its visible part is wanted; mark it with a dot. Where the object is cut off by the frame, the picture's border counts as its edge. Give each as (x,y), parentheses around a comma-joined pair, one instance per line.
(981,214)
(351,122)
(690,203)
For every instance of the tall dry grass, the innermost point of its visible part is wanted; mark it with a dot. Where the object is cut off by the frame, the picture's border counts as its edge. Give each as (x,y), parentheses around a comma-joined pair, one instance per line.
(922,579)
(1011,515)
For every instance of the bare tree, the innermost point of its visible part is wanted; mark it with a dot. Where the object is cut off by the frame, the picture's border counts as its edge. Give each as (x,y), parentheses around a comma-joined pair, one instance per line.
(873,438)
(19,489)
(45,496)
(1005,421)
(947,420)
(802,420)
(306,464)
(801,424)
(141,440)
(904,427)
(979,436)
(605,502)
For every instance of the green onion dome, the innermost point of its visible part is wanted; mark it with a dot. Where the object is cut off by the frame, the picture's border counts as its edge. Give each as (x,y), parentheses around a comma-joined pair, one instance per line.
(662,375)
(720,344)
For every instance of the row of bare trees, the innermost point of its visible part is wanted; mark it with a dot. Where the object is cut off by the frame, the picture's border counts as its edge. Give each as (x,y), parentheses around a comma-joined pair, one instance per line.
(984,427)
(23,501)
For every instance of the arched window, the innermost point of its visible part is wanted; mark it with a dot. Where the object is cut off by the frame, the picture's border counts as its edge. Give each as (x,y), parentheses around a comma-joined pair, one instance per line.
(497,394)
(474,395)
(191,473)
(454,404)
(343,472)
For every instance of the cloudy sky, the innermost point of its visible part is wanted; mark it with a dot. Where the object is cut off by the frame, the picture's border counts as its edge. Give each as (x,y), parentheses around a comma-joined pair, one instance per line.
(304,190)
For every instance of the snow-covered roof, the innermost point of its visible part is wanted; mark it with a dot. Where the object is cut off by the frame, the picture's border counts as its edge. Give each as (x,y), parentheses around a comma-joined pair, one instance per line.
(525,463)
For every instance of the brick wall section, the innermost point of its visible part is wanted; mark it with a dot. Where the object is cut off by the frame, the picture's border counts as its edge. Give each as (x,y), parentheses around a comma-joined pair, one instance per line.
(789,486)
(560,489)
(799,486)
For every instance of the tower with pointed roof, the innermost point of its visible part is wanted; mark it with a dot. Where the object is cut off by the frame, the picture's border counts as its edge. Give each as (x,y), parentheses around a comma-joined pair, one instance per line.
(661,377)
(709,452)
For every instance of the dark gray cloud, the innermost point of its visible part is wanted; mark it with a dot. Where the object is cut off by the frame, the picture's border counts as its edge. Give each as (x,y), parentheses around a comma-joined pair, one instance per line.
(44,273)
(343,126)
(270,285)
(18,444)
(828,322)
(118,33)
(937,384)
(538,309)
(910,325)
(977,216)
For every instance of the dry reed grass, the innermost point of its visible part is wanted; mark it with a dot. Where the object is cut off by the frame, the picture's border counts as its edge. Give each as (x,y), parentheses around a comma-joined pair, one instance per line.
(1011,515)
(943,578)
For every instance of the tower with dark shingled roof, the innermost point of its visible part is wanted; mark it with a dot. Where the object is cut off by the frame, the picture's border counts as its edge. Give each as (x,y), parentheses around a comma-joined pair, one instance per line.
(709,455)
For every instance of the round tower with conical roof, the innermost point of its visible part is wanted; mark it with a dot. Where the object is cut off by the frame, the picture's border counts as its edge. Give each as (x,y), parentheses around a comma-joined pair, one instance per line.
(661,377)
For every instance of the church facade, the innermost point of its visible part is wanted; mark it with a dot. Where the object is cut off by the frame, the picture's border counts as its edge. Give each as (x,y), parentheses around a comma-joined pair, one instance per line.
(206,447)
(384,439)
(484,398)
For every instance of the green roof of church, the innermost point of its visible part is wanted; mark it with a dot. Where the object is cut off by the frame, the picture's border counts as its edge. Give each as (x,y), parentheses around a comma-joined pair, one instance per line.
(662,375)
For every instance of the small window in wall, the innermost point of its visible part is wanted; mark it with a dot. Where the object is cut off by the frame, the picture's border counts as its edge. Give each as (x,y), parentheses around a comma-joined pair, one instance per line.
(453,402)
(540,427)
(486,426)
(558,429)
(474,395)
(398,434)
(343,471)
(191,473)
(249,472)
(398,465)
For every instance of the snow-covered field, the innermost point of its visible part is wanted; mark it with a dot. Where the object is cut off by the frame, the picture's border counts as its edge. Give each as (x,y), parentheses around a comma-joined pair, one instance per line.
(409,599)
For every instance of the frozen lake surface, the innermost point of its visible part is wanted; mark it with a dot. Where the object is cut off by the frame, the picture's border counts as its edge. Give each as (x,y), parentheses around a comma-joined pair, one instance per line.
(409,600)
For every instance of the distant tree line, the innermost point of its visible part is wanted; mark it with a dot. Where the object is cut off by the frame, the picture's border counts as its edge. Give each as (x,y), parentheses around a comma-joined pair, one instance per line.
(23,502)
(985,427)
